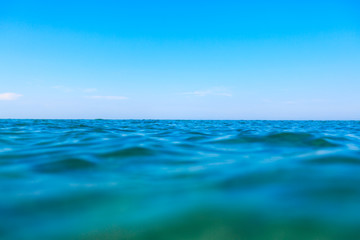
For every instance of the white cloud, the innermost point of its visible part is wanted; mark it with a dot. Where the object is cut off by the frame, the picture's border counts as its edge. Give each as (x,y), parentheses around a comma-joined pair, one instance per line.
(290,102)
(213,92)
(9,96)
(294,102)
(67,89)
(109,97)
(63,88)
(90,90)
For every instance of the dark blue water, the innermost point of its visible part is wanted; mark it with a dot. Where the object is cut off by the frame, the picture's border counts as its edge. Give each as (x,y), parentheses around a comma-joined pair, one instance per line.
(107,179)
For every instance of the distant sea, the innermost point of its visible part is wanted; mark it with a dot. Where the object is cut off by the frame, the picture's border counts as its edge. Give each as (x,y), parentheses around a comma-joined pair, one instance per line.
(160,179)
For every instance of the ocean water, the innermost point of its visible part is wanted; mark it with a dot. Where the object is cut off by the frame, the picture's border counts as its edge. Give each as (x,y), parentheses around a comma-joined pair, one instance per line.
(148,179)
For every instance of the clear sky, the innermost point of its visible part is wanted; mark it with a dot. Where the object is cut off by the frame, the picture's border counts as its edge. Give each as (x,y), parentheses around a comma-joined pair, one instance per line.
(180,59)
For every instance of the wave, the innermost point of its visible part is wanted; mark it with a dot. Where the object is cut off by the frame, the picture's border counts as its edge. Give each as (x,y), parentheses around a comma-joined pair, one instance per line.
(138,179)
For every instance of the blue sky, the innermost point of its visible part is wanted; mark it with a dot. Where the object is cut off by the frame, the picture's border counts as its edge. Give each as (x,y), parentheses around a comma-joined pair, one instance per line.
(180,59)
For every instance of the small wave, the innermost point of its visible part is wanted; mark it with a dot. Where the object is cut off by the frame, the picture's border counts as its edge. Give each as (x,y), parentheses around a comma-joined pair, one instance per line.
(64,165)
(130,152)
(280,139)
(341,160)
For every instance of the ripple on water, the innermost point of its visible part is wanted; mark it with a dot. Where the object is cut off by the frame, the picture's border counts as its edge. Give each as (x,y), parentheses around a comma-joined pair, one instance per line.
(336,159)
(129,152)
(65,165)
(289,139)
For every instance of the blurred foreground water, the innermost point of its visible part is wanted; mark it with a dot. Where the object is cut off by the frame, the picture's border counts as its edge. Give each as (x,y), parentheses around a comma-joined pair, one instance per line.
(134,179)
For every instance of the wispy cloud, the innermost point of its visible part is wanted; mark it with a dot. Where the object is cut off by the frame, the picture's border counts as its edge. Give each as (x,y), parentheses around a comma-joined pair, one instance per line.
(9,96)
(89,90)
(290,102)
(109,97)
(69,89)
(282,102)
(63,88)
(294,102)
(209,92)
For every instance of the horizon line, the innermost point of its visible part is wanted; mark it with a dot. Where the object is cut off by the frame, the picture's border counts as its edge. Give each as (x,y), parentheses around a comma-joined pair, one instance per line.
(178,119)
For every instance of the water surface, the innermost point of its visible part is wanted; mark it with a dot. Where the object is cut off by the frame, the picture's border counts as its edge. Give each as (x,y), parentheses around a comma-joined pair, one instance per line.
(147,179)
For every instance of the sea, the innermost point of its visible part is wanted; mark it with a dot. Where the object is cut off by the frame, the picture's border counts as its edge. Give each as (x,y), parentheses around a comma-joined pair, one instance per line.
(179,179)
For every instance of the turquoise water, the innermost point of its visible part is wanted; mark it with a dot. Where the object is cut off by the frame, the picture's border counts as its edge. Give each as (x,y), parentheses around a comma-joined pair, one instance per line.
(133,179)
